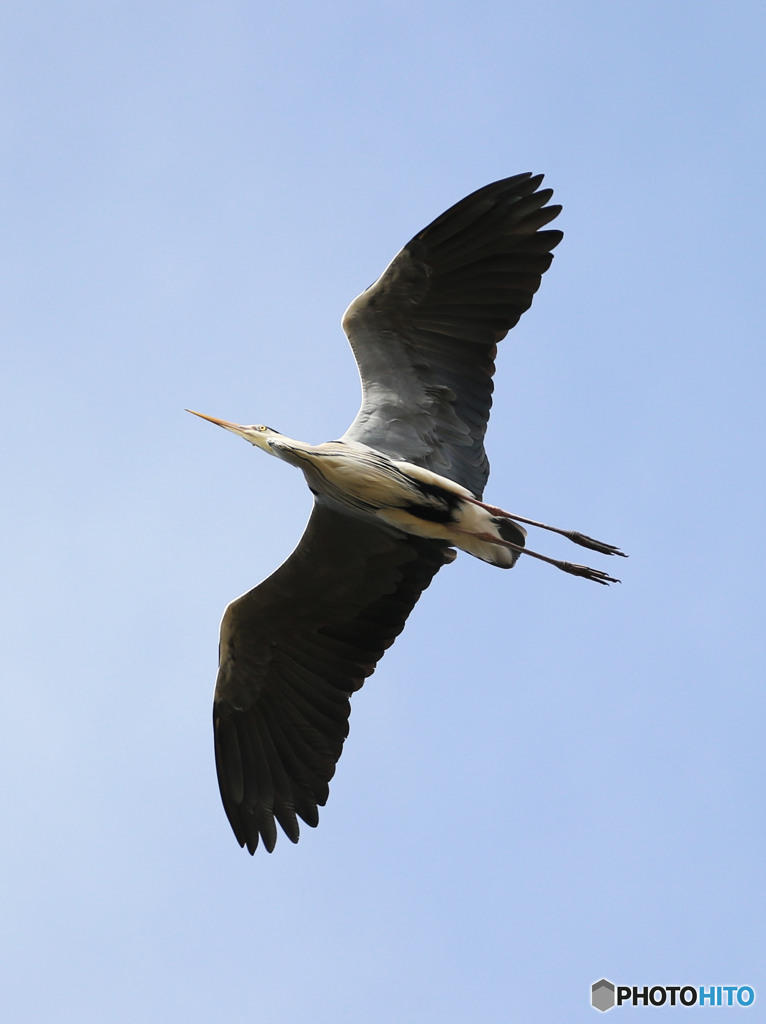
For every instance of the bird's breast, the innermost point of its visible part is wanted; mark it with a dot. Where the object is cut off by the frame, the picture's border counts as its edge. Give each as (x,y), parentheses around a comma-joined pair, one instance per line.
(369,481)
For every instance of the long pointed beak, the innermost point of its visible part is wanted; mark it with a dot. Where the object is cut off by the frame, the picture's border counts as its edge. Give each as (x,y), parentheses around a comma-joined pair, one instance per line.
(235,428)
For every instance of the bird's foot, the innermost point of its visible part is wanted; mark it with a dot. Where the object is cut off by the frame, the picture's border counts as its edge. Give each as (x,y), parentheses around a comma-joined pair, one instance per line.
(587,573)
(595,545)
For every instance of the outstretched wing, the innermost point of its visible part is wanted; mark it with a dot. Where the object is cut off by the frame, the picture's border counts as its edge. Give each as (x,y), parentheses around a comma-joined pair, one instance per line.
(424,334)
(293,650)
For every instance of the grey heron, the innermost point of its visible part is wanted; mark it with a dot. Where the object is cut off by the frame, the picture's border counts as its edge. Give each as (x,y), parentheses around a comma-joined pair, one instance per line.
(393,499)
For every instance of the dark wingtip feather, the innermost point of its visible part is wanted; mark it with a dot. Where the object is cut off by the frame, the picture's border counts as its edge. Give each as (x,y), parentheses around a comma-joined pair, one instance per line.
(473,206)
(267,828)
(288,823)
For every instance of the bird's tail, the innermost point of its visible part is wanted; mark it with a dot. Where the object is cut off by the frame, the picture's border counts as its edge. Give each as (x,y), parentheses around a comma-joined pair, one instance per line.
(475,532)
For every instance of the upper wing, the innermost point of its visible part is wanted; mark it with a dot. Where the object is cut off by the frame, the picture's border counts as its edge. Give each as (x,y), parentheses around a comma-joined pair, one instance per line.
(424,334)
(293,650)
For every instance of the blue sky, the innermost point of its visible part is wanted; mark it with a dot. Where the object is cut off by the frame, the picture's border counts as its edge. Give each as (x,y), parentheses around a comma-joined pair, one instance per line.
(546,781)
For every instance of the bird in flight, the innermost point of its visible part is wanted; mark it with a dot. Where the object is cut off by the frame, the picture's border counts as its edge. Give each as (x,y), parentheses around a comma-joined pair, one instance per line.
(393,500)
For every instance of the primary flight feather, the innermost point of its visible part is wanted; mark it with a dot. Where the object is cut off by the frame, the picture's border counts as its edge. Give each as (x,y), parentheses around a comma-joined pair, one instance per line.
(393,498)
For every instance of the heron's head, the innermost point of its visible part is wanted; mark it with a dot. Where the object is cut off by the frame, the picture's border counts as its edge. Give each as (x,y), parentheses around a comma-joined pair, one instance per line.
(257,434)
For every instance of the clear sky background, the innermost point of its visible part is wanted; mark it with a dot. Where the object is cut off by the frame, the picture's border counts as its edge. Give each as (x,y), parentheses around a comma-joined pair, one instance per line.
(546,781)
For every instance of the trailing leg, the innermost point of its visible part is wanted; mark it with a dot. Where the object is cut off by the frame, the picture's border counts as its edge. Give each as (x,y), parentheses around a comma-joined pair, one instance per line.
(577,538)
(571,567)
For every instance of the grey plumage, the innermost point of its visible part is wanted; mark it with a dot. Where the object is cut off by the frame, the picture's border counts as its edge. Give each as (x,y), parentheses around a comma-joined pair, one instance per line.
(425,334)
(295,648)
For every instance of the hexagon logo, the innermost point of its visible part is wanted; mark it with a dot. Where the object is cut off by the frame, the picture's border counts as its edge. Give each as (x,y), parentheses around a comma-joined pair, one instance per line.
(602,995)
